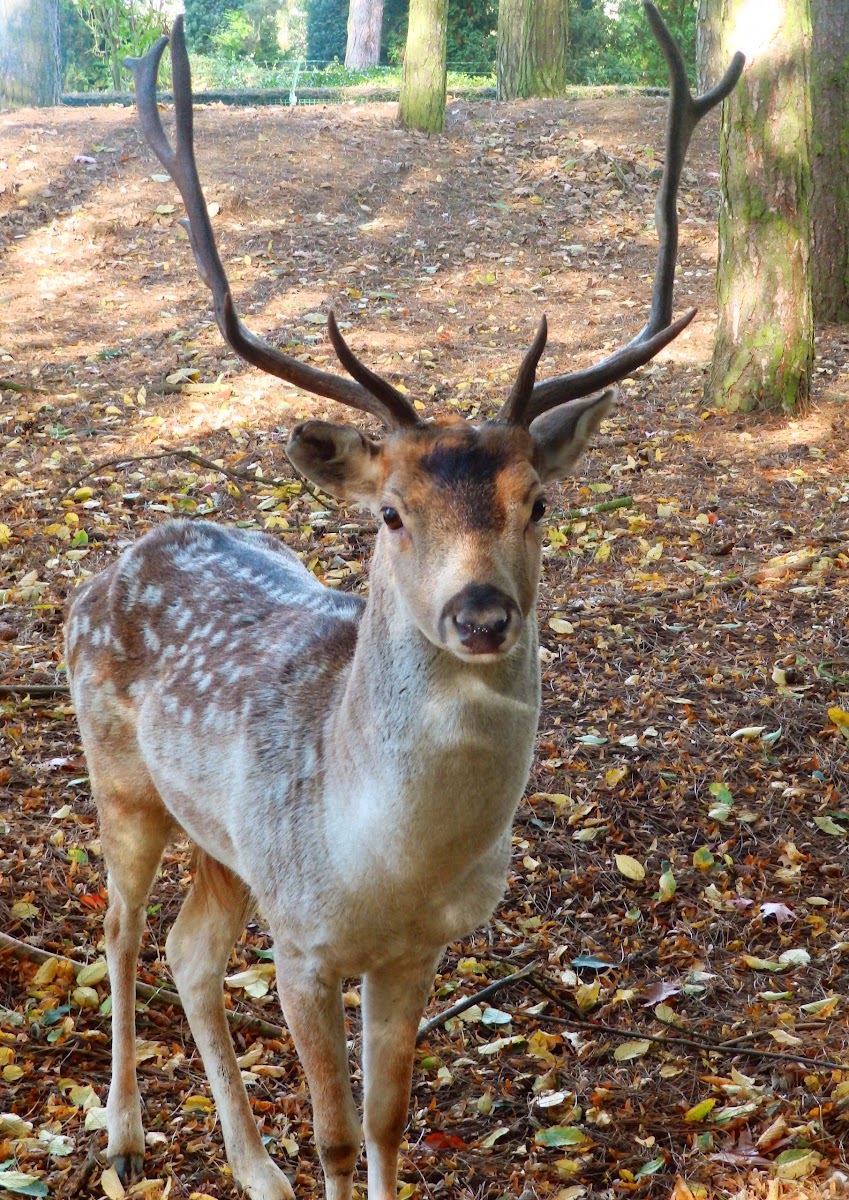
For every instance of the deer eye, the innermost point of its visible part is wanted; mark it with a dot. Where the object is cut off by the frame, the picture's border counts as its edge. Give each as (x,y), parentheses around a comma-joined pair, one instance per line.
(538,511)
(392,518)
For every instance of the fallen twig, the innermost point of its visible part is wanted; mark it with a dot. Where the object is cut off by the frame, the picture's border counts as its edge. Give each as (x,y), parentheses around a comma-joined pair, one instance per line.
(483,994)
(572,514)
(34,689)
(9,385)
(207,464)
(706,1044)
(144,990)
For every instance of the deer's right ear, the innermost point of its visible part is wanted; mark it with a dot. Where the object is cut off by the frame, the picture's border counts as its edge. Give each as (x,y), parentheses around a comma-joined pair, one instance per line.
(338,458)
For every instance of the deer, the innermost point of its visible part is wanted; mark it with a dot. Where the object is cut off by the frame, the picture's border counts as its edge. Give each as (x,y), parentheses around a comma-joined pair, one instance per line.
(348,765)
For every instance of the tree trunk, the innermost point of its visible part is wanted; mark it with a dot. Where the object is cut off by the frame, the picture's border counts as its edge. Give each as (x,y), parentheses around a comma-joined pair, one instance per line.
(423,78)
(511,36)
(710,65)
(830,159)
(30,69)
(545,51)
(764,342)
(365,20)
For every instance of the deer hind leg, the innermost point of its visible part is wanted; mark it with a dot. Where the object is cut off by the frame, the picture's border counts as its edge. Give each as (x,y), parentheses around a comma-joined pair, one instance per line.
(312,1006)
(393,1000)
(134,830)
(198,947)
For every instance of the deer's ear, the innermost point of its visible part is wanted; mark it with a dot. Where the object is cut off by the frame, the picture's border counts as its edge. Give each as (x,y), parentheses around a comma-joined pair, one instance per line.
(338,458)
(561,435)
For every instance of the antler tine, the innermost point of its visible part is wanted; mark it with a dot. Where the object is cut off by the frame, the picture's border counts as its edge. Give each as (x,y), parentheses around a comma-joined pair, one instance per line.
(393,400)
(683,115)
(181,166)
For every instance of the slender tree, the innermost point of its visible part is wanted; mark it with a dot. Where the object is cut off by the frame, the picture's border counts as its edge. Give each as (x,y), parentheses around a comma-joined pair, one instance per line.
(365,21)
(830,159)
(423,77)
(709,61)
(511,27)
(764,343)
(30,66)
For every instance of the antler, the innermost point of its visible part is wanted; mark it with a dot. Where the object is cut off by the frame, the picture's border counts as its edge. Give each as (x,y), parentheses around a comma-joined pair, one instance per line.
(368,393)
(529,400)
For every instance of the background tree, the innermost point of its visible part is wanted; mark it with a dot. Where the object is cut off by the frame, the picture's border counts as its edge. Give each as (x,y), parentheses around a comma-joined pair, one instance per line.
(709,66)
(511,41)
(533,48)
(365,22)
(764,342)
(30,66)
(423,78)
(545,56)
(830,159)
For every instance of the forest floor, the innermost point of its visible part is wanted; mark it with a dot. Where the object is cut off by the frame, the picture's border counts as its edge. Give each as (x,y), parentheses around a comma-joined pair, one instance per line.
(680,874)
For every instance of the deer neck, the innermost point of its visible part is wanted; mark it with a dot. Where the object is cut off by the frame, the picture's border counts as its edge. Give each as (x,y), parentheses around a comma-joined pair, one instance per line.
(414,718)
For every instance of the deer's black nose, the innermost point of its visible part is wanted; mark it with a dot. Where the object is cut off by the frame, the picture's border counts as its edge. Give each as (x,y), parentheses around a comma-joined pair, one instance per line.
(481,616)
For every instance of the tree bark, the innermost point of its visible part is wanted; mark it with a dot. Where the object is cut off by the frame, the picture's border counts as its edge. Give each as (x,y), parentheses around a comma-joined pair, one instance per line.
(545,49)
(710,65)
(30,68)
(511,36)
(764,342)
(423,78)
(365,21)
(830,159)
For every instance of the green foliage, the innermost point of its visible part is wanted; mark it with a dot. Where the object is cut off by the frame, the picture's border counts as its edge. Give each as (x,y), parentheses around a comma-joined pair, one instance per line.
(611,42)
(82,70)
(327,30)
(471,34)
(116,29)
(261,30)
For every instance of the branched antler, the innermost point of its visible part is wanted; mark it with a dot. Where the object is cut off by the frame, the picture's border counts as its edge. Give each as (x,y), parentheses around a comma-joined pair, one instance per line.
(368,392)
(683,115)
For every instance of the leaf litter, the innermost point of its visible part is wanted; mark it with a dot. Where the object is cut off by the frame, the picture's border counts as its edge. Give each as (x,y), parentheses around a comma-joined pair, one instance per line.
(680,867)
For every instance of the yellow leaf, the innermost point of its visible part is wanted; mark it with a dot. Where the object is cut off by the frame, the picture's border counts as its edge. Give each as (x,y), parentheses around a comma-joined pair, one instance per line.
(699,1111)
(628,1050)
(630,867)
(587,995)
(198,1104)
(12,1073)
(46,973)
(92,973)
(111,1185)
(23,910)
(5,535)
(560,626)
(615,775)
(540,1043)
(838,717)
(602,554)
(667,886)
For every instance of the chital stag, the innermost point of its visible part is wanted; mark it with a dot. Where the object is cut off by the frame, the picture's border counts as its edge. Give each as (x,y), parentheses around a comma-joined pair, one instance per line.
(350,766)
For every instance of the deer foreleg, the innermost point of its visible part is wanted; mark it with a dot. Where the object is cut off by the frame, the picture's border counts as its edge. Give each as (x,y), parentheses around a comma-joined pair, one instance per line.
(393,1000)
(312,1006)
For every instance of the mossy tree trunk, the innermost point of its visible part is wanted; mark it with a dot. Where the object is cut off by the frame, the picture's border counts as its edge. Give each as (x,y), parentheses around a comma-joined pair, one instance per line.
(830,158)
(423,77)
(710,65)
(30,68)
(365,21)
(511,33)
(764,342)
(545,52)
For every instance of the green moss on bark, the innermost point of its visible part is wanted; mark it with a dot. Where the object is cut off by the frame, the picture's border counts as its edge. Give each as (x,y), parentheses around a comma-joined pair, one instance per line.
(423,79)
(764,344)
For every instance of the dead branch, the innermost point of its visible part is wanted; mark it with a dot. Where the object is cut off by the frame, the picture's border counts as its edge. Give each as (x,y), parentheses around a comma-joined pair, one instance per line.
(34,689)
(483,994)
(143,990)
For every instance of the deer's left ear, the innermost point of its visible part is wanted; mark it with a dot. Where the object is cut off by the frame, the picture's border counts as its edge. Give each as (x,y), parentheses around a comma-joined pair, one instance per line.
(561,435)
